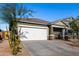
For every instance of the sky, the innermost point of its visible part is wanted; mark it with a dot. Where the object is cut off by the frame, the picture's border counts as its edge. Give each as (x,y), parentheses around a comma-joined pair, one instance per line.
(54,11)
(51,11)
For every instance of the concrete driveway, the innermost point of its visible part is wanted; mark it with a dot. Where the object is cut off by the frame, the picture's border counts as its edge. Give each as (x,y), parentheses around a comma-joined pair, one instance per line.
(50,48)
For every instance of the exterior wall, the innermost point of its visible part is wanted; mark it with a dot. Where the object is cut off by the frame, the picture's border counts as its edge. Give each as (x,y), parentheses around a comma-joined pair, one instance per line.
(30,27)
(58,26)
(53,34)
(59,23)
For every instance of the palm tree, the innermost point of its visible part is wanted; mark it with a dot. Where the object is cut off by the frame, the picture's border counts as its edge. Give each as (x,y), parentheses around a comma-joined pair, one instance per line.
(9,13)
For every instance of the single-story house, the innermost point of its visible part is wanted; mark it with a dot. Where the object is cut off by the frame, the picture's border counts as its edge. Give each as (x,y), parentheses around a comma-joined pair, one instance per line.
(36,29)
(33,29)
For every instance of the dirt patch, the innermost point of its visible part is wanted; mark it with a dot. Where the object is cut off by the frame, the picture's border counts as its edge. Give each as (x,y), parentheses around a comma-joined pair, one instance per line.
(23,51)
(74,42)
(4,48)
(6,51)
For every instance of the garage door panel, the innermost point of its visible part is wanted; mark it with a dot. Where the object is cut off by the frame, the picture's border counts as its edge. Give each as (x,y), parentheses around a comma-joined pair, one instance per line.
(33,33)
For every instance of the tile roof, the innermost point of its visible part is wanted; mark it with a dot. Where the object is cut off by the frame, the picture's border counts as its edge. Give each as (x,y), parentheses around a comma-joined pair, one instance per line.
(33,20)
(65,21)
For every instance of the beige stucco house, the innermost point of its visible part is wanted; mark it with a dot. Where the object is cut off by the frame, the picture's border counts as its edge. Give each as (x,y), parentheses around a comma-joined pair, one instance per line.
(36,29)
(33,29)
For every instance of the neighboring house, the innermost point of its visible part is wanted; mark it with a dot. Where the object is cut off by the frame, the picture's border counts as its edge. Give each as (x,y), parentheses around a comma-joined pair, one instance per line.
(33,29)
(60,27)
(1,33)
(4,34)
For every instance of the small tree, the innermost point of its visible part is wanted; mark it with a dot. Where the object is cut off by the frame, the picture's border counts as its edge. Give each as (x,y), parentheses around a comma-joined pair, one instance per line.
(74,27)
(77,22)
(9,13)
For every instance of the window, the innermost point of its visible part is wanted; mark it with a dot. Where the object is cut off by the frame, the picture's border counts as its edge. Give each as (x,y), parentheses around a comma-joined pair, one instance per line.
(57,29)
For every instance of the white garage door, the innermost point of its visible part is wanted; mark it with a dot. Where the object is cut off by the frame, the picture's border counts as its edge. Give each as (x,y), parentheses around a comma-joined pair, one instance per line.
(33,33)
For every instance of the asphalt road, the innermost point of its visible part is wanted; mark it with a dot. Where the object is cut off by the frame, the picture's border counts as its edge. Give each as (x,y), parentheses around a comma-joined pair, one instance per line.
(50,48)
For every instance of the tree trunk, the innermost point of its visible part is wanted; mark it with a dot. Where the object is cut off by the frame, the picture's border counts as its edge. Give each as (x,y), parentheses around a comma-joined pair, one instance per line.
(77,35)
(14,38)
(73,35)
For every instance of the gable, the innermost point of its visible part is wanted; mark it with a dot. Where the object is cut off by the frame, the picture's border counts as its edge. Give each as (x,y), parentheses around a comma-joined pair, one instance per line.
(60,23)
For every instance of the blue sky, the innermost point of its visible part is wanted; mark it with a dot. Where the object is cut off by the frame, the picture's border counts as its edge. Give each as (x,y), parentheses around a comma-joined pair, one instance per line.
(52,11)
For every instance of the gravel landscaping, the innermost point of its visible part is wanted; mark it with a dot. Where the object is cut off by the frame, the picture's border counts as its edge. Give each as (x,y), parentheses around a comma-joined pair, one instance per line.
(6,51)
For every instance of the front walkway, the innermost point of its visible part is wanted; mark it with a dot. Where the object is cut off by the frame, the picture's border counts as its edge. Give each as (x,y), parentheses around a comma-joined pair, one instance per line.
(50,48)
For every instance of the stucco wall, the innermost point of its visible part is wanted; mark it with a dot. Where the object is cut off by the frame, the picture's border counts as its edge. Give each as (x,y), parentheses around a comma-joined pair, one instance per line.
(38,28)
